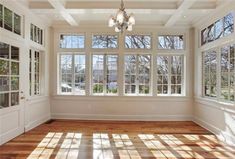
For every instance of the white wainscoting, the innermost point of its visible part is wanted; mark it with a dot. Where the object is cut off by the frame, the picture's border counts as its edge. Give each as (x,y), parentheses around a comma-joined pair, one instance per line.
(122,108)
(217,118)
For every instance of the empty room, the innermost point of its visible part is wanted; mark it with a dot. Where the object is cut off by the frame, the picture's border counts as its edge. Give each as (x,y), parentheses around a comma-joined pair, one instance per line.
(117,79)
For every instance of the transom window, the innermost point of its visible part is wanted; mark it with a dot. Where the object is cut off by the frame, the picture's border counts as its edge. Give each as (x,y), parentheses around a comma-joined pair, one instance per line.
(137,74)
(105,74)
(10,20)
(36,34)
(104,41)
(9,75)
(171,42)
(219,29)
(138,42)
(72,41)
(72,73)
(169,75)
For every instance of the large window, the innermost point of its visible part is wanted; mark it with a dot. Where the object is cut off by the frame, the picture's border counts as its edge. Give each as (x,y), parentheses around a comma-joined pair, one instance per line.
(137,74)
(36,34)
(138,42)
(171,42)
(104,41)
(219,83)
(10,20)
(220,28)
(9,75)
(169,75)
(34,72)
(105,74)
(72,74)
(68,41)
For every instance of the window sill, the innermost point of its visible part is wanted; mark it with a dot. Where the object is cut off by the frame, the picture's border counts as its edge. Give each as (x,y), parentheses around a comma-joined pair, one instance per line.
(121,98)
(224,106)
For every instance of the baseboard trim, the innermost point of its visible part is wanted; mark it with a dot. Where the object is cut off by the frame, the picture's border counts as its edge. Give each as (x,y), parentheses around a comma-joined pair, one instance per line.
(223,136)
(122,117)
(36,123)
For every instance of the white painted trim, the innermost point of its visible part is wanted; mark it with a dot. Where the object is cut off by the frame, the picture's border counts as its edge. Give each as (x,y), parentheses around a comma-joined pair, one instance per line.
(10,135)
(122,117)
(222,135)
(38,122)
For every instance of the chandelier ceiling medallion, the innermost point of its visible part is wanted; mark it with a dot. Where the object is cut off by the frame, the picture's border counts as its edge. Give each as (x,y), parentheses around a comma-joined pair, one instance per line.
(122,20)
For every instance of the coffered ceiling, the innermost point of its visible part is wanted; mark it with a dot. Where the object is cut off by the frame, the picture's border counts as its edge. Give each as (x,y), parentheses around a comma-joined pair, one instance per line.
(147,12)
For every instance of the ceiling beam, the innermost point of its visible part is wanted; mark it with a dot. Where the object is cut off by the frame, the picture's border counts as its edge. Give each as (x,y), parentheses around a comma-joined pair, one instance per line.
(185,5)
(59,7)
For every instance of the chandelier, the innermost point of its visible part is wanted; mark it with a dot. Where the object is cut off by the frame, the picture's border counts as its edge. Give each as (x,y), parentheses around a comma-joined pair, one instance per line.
(122,20)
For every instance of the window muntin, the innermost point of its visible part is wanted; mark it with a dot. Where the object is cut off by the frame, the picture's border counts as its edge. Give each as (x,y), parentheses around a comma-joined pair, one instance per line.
(72,74)
(104,41)
(171,42)
(138,42)
(36,34)
(227,66)
(72,41)
(9,75)
(34,72)
(210,73)
(221,28)
(8,19)
(105,74)
(169,75)
(137,74)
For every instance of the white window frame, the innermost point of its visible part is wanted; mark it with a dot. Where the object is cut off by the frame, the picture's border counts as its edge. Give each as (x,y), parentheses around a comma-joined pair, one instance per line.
(103,49)
(137,75)
(169,84)
(138,49)
(73,34)
(32,62)
(73,73)
(104,75)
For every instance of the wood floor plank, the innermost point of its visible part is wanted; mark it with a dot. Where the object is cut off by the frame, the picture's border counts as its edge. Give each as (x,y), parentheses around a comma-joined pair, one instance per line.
(68,139)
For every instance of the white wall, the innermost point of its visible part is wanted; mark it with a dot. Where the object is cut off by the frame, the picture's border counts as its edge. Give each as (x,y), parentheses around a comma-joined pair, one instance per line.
(33,110)
(216,116)
(123,107)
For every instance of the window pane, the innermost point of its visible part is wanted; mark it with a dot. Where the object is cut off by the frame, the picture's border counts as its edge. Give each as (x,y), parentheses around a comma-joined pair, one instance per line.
(66,72)
(72,41)
(4,67)
(210,61)
(111,79)
(7,19)
(4,84)
(79,68)
(31,32)
(14,83)
(17,24)
(14,98)
(130,74)
(144,73)
(14,68)
(171,42)
(229,24)
(1,15)
(211,31)
(98,74)
(138,42)
(219,30)
(4,50)
(204,36)
(104,41)
(14,53)
(4,100)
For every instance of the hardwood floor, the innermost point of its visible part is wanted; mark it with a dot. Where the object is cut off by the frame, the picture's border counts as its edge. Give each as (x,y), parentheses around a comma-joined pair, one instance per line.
(66,139)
